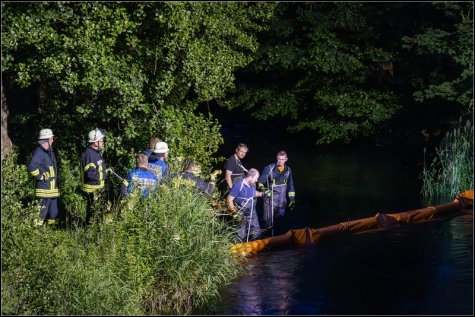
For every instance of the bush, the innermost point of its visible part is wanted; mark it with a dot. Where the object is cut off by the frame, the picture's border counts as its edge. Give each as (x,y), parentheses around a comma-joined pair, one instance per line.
(72,203)
(163,254)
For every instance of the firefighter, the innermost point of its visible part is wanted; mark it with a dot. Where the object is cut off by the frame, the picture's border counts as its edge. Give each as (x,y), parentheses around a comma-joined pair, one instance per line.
(190,172)
(277,183)
(93,170)
(156,161)
(44,168)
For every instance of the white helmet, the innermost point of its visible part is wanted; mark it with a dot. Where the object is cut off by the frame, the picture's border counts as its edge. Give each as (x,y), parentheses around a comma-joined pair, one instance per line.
(96,135)
(161,147)
(45,134)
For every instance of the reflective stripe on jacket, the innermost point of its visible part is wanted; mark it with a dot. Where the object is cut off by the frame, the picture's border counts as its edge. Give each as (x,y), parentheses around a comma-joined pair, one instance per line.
(44,161)
(93,170)
(272,176)
(159,168)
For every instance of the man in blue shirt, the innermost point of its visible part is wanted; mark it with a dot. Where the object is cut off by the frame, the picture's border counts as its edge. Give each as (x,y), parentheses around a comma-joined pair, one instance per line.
(140,178)
(241,200)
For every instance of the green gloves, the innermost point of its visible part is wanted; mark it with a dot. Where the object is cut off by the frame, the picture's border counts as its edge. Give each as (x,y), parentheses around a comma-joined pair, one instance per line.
(267,192)
(212,177)
(292,204)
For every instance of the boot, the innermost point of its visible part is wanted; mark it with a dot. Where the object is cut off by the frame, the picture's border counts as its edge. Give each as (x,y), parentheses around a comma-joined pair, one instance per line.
(38,222)
(52,222)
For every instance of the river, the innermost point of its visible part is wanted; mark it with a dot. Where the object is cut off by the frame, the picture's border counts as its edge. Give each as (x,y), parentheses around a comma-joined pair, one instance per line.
(416,269)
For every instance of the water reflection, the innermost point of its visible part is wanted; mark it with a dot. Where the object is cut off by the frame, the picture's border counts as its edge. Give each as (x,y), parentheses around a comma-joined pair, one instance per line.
(269,288)
(417,269)
(424,268)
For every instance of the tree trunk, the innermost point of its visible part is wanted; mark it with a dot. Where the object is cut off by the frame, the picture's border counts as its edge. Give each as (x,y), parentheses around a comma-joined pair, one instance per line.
(6,142)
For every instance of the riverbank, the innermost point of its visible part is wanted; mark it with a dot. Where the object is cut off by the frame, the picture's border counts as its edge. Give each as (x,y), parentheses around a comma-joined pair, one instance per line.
(163,254)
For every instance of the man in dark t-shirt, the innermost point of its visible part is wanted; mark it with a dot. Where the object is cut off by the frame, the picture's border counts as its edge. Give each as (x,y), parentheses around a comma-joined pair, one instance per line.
(233,166)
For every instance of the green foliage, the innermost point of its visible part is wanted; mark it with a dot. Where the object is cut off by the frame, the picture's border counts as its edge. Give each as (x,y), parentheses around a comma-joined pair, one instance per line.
(19,210)
(336,68)
(451,170)
(452,43)
(17,185)
(318,66)
(191,137)
(163,254)
(116,65)
(71,200)
(340,68)
(179,246)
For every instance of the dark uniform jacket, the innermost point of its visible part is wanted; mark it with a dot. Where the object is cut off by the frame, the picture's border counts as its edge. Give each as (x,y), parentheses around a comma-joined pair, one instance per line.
(42,163)
(200,183)
(147,152)
(271,175)
(93,170)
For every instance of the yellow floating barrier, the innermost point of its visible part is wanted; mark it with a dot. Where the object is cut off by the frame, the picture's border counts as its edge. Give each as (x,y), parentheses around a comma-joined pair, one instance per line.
(379,221)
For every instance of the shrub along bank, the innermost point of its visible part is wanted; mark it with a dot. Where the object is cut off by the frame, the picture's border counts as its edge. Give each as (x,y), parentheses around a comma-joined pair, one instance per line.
(163,254)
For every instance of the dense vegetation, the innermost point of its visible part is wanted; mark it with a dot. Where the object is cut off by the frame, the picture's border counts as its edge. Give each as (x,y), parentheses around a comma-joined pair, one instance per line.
(136,69)
(343,70)
(352,69)
(163,254)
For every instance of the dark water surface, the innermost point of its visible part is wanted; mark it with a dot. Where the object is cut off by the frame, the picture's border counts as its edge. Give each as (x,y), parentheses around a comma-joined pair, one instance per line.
(418,269)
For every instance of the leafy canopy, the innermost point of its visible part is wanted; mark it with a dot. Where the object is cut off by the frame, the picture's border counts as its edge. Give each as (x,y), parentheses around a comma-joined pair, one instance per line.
(321,65)
(138,70)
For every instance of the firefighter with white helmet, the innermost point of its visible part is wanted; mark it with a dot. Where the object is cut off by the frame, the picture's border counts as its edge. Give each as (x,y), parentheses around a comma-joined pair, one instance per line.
(156,161)
(44,168)
(93,170)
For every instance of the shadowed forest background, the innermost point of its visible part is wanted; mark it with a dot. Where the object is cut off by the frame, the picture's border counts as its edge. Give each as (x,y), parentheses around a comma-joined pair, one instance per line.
(340,71)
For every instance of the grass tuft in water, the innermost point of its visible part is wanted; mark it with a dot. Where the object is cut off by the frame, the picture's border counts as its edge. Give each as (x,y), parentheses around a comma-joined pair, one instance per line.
(451,170)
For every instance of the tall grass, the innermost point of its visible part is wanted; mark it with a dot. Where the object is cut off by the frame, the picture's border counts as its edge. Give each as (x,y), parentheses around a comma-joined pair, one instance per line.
(163,254)
(451,170)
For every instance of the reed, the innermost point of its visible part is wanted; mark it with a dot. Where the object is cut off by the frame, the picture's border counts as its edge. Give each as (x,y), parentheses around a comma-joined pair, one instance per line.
(451,169)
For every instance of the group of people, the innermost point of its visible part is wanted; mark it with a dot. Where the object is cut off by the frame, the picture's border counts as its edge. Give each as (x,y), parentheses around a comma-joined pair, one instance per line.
(151,169)
(274,185)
